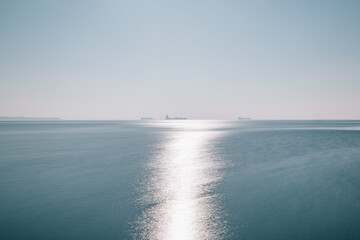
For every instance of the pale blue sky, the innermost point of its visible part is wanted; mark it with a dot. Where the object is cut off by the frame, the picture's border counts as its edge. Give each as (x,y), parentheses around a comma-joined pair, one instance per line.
(199,59)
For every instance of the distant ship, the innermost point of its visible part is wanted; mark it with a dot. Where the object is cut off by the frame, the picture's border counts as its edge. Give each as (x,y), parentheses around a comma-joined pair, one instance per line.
(244,118)
(146,118)
(175,118)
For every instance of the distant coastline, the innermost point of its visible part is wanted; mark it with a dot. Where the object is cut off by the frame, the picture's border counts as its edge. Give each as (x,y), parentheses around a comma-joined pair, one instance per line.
(21,118)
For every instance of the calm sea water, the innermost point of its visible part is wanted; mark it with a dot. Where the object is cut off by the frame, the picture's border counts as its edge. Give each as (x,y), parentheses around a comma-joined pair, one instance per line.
(180,180)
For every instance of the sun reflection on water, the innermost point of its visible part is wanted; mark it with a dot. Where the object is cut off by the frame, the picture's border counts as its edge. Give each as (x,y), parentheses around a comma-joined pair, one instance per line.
(180,197)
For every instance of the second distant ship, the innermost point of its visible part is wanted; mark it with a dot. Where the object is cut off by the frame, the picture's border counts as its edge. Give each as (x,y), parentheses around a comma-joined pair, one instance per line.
(174,118)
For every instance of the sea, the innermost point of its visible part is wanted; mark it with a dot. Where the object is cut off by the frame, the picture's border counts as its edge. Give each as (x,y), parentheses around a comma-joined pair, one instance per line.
(180,179)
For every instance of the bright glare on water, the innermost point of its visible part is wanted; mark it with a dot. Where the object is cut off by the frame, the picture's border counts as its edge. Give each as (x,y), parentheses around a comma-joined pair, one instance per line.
(180,187)
(180,180)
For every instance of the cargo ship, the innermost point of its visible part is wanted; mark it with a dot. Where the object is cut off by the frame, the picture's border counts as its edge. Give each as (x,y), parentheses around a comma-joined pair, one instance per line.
(174,118)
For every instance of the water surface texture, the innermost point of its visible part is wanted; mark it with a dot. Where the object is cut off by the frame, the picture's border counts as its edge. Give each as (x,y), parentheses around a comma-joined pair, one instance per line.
(180,180)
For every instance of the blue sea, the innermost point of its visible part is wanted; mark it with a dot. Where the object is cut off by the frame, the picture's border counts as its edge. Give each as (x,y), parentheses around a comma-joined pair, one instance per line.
(180,180)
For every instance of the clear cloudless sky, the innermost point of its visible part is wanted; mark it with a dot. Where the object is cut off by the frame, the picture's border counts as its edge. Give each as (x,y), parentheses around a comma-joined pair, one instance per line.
(197,59)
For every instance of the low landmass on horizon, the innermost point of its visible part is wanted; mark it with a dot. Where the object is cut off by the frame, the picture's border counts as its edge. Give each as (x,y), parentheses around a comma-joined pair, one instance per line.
(21,118)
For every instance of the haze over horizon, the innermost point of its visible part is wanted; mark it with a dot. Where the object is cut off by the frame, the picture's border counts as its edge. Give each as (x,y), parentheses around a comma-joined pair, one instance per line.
(201,60)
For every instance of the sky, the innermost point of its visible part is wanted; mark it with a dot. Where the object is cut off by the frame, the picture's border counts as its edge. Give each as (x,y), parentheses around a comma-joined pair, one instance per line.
(196,59)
